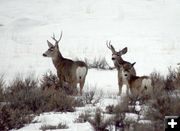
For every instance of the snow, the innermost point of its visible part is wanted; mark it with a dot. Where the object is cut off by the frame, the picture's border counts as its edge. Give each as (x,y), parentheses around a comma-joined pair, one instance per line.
(149,28)
(131,117)
(54,119)
(137,106)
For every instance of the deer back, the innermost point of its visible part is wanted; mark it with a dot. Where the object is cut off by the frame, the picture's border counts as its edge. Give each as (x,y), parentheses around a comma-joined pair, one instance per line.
(71,71)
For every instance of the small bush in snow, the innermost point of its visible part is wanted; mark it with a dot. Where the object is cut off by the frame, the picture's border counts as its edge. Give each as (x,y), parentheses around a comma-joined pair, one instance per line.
(51,127)
(110,109)
(83,117)
(98,63)
(92,96)
(98,122)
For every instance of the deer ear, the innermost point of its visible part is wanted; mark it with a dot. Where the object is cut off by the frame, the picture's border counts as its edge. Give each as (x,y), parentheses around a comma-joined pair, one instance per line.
(124,51)
(133,64)
(49,44)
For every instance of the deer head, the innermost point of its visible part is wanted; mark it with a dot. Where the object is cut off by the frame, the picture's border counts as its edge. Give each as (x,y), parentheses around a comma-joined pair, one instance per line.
(53,50)
(126,70)
(116,55)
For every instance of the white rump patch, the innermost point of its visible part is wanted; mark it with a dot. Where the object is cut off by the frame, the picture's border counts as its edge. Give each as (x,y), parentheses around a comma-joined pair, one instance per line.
(81,73)
(147,83)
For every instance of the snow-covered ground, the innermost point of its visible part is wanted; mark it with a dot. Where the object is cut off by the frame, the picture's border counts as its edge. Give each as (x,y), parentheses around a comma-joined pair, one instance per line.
(149,28)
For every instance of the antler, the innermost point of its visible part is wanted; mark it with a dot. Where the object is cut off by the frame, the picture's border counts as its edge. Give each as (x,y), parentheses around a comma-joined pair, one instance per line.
(57,41)
(108,43)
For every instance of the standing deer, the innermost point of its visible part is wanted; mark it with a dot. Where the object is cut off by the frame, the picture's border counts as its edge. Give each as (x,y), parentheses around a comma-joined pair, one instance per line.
(118,62)
(138,85)
(68,71)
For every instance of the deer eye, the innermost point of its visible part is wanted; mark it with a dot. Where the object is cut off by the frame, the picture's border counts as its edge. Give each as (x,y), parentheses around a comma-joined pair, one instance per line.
(51,49)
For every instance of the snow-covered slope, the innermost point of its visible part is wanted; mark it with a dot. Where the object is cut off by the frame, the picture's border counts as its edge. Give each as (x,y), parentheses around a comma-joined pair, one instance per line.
(149,28)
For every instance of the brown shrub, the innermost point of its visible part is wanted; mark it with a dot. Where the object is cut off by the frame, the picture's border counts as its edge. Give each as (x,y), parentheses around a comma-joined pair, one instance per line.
(170,82)
(10,118)
(163,104)
(83,117)
(92,96)
(57,101)
(50,80)
(23,94)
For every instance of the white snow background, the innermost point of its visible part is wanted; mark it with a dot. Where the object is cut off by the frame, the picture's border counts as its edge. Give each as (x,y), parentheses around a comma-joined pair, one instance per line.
(149,28)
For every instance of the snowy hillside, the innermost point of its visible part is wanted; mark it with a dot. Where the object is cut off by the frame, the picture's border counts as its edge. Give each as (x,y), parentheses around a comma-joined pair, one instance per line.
(149,28)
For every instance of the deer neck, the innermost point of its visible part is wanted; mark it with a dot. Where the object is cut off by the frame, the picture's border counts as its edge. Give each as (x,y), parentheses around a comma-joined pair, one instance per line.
(133,78)
(57,59)
(119,63)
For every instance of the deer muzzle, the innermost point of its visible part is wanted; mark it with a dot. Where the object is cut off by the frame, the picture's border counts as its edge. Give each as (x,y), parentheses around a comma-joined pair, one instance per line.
(44,55)
(113,58)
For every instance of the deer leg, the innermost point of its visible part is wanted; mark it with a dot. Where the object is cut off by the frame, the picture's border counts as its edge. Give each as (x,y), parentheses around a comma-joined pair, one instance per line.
(81,86)
(120,85)
(60,82)
(128,90)
(73,87)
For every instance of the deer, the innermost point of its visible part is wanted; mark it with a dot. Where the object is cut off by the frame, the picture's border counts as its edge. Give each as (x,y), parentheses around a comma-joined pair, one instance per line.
(68,71)
(118,62)
(138,85)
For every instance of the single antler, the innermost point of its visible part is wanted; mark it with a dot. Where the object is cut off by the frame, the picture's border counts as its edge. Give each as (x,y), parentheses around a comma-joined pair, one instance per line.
(57,41)
(108,43)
